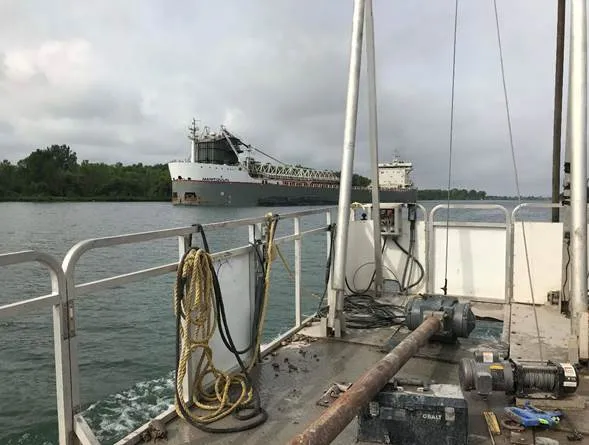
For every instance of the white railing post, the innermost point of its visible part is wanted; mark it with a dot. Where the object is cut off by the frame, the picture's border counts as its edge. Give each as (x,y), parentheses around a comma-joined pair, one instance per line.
(328,222)
(253,272)
(297,254)
(66,358)
(184,244)
(62,331)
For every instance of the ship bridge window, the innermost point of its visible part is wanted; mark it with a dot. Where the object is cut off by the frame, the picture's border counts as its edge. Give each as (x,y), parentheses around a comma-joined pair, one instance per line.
(179,177)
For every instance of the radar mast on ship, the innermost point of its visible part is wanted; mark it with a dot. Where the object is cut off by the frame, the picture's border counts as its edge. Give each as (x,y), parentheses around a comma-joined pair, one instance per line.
(193,129)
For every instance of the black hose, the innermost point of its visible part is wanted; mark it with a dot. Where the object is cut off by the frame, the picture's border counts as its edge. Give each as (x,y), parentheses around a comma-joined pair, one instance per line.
(363,292)
(256,408)
(331,229)
(410,255)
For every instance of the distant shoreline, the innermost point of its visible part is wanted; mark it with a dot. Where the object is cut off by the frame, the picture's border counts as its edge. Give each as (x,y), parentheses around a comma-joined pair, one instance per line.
(79,199)
(54,199)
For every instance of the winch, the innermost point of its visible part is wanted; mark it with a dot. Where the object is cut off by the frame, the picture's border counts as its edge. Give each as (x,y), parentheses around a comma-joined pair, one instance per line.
(488,372)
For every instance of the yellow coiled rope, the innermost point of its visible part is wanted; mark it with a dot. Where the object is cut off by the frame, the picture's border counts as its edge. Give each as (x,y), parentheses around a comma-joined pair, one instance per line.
(210,385)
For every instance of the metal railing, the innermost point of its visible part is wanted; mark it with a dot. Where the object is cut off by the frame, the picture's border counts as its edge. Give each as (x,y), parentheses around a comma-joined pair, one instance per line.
(57,301)
(65,289)
(507,225)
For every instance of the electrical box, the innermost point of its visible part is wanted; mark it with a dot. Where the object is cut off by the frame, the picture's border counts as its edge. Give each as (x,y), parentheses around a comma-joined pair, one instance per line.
(436,414)
(390,219)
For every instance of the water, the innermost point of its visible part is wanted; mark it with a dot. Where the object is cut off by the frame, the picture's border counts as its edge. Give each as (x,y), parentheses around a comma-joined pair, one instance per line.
(126,335)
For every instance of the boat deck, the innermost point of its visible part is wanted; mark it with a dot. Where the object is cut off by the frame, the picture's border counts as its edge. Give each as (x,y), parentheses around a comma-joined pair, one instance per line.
(294,377)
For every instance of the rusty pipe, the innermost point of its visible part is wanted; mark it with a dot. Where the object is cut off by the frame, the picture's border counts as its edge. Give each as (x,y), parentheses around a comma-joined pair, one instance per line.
(333,420)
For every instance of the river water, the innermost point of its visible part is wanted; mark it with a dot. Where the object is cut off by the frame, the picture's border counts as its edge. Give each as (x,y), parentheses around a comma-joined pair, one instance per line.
(126,335)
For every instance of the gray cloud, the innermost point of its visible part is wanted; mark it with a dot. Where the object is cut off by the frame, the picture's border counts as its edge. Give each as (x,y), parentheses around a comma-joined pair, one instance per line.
(121,81)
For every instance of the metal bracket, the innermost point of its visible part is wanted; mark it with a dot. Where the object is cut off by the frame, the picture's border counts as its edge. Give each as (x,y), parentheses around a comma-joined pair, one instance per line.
(69,320)
(437,314)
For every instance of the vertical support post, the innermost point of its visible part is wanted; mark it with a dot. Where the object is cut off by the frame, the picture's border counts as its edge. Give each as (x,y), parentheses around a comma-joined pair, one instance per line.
(565,214)
(509,275)
(331,294)
(184,244)
(297,266)
(255,268)
(328,235)
(70,342)
(63,361)
(556,133)
(373,143)
(347,169)
(578,139)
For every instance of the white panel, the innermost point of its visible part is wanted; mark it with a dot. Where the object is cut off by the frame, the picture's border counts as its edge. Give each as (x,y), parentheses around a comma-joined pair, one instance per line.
(544,241)
(360,260)
(476,261)
(234,280)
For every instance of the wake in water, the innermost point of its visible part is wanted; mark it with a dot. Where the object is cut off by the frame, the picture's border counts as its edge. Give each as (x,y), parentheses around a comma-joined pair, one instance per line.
(115,416)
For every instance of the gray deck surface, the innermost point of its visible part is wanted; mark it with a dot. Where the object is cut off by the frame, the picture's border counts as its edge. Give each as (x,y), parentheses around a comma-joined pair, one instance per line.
(290,397)
(554,331)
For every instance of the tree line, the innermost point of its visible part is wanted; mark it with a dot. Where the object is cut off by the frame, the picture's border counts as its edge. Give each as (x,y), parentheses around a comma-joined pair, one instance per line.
(54,173)
(455,194)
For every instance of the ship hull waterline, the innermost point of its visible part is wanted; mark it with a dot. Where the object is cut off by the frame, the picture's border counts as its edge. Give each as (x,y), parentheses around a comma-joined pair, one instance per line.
(225,194)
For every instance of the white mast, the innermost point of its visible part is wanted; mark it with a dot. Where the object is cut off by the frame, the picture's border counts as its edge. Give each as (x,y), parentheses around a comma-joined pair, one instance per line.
(577,121)
(192,136)
(373,138)
(351,119)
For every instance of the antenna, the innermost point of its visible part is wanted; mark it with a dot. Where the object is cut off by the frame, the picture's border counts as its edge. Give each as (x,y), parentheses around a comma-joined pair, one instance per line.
(396,154)
(193,129)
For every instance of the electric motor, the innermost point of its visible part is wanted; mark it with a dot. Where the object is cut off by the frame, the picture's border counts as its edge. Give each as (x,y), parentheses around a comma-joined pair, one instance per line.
(457,321)
(489,372)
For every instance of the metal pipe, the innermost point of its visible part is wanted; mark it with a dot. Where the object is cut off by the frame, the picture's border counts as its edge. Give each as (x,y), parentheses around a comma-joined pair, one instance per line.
(347,170)
(556,132)
(578,138)
(373,142)
(333,420)
(565,214)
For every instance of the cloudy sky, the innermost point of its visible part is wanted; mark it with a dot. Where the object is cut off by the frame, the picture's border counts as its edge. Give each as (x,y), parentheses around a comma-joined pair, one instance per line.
(120,81)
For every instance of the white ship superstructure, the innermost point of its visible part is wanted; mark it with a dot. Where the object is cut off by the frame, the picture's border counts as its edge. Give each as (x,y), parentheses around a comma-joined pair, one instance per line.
(222,170)
(395,174)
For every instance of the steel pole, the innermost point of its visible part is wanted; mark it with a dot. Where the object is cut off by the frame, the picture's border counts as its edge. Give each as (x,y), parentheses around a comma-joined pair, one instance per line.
(557,128)
(373,141)
(565,214)
(343,214)
(578,134)
(333,420)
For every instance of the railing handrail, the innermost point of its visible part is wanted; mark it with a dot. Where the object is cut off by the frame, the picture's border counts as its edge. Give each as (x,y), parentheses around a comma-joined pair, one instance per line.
(489,206)
(74,254)
(508,241)
(64,289)
(57,300)
(56,275)
(532,205)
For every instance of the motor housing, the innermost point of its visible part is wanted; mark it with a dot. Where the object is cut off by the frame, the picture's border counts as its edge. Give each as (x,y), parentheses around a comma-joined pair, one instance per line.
(457,318)
(488,372)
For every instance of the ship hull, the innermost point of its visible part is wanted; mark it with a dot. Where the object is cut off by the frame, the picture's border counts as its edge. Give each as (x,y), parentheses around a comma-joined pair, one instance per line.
(227,194)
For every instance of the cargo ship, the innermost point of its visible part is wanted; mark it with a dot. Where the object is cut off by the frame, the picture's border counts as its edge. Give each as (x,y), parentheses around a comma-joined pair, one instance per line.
(222,171)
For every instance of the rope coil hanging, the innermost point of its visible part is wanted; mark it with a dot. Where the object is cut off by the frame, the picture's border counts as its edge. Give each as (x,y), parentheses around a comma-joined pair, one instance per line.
(199,310)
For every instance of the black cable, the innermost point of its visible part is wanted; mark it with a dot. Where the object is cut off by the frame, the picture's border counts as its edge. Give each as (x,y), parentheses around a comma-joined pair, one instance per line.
(421,270)
(363,292)
(364,312)
(566,270)
(331,229)
(255,407)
